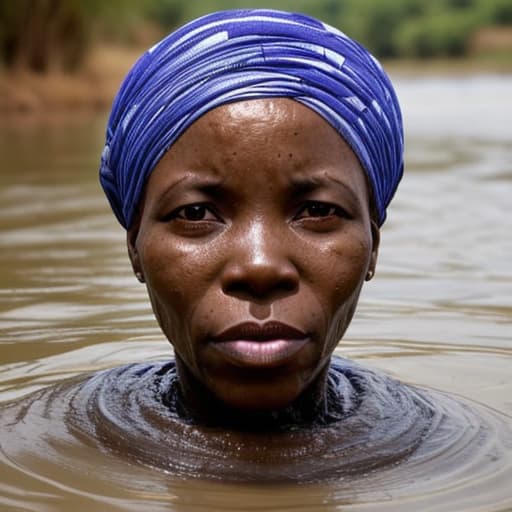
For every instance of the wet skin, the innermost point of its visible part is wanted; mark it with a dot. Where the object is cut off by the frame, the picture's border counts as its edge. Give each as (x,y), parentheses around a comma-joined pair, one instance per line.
(254,238)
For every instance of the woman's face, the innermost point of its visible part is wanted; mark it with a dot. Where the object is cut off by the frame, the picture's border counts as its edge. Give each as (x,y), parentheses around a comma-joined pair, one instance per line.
(254,241)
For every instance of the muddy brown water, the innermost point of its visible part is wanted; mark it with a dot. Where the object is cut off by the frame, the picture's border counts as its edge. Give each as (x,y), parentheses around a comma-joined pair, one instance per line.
(438,313)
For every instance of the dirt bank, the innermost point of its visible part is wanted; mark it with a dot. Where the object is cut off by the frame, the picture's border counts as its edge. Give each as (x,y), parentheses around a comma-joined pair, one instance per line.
(91,88)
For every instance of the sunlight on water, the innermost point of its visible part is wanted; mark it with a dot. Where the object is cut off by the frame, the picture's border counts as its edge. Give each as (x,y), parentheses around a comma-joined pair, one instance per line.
(438,314)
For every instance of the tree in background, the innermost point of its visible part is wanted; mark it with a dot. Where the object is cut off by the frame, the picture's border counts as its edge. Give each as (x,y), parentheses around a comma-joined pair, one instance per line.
(389,28)
(41,35)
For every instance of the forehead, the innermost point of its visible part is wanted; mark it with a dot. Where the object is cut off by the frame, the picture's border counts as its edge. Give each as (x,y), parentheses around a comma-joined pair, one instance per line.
(268,123)
(260,141)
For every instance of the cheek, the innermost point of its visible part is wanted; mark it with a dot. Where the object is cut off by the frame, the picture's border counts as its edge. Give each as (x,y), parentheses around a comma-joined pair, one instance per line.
(338,281)
(172,269)
(340,267)
(176,277)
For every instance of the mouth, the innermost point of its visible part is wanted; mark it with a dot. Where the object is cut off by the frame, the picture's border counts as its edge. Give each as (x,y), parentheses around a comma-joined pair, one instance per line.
(260,345)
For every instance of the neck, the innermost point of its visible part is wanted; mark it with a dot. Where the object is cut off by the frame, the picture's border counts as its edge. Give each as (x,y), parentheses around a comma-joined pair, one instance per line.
(319,404)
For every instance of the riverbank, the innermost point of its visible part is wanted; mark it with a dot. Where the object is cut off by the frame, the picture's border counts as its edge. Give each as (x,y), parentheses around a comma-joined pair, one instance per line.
(92,88)
(95,85)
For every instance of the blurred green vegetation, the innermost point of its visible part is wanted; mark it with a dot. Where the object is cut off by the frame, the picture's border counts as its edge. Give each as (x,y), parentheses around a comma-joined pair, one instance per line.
(46,34)
(43,35)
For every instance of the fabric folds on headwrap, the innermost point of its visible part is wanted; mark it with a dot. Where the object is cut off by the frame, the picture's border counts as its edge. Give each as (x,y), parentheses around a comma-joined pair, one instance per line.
(239,55)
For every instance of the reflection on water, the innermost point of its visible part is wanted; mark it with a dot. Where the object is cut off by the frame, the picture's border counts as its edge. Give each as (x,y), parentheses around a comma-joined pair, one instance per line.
(438,314)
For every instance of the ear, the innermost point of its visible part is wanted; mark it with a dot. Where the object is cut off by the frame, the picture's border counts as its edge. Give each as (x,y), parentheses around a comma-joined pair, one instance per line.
(375,250)
(133,253)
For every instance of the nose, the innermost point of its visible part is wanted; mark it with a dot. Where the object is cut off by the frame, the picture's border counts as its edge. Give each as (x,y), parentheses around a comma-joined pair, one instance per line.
(258,267)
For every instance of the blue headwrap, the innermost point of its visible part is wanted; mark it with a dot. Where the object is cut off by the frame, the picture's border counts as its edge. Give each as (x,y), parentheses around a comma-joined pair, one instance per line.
(240,55)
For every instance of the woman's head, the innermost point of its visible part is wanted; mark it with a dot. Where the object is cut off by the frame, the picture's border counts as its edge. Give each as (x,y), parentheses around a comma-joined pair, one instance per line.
(255,227)
(245,154)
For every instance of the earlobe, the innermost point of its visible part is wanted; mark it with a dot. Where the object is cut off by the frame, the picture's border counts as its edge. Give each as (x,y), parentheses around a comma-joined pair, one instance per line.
(133,253)
(375,251)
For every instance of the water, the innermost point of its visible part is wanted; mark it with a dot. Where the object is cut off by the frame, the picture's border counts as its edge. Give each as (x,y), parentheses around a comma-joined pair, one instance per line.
(438,314)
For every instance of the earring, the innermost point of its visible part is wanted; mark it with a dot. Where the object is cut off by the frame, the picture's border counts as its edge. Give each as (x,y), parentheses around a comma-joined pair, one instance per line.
(369,274)
(139,276)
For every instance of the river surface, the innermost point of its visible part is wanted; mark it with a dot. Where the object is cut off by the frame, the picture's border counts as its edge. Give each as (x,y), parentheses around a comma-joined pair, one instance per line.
(438,313)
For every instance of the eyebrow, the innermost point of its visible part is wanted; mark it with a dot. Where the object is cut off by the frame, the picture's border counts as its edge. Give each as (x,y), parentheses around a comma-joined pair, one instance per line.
(214,186)
(208,185)
(303,185)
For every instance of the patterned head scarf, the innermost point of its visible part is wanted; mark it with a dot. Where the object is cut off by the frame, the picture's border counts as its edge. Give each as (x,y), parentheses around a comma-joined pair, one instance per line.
(239,55)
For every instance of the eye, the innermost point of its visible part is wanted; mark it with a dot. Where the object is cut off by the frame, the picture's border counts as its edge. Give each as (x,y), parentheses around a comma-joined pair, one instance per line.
(318,210)
(192,213)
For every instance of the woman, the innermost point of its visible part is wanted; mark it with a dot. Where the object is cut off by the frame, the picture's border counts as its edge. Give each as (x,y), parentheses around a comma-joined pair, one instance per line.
(251,156)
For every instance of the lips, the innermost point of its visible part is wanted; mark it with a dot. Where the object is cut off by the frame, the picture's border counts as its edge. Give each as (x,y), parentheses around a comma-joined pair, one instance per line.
(259,345)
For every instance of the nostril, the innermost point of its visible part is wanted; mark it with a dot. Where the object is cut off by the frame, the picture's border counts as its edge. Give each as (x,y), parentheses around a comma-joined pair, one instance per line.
(291,285)
(236,288)
(260,283)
